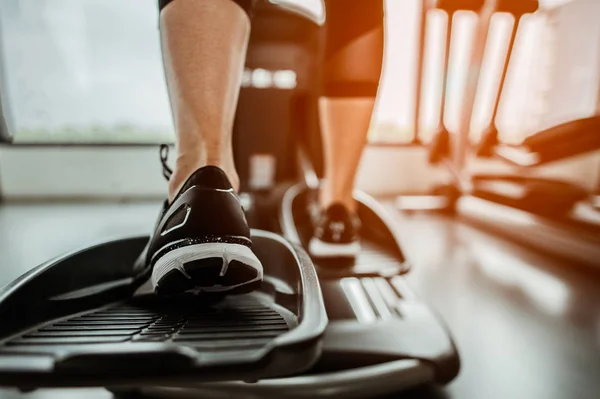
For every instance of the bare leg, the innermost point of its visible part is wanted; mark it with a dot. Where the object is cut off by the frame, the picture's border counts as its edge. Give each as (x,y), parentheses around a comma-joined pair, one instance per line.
(201,241)
(345,124)
(204,46)
(345,120)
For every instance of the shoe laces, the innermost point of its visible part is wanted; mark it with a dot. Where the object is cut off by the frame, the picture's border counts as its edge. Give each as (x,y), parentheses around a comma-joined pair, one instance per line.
(164,157)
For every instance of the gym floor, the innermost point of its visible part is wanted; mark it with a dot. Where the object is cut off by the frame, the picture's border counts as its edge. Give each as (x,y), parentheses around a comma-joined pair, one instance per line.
(526,326)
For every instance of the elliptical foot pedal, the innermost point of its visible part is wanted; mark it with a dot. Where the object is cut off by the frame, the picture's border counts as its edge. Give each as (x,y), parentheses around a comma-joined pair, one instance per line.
(380,249)
(380,340)
(82,320)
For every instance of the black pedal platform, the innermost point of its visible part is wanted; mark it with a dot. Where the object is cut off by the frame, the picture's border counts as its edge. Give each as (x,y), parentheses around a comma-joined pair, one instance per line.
(380,255)
(381,338)
(82,320)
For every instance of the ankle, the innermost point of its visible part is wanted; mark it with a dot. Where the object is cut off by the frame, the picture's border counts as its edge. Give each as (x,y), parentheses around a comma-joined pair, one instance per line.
(327,199)
(184,170)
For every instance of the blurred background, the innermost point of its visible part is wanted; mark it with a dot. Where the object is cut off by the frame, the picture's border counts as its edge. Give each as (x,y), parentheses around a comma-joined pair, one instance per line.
(100,85)
(90,72)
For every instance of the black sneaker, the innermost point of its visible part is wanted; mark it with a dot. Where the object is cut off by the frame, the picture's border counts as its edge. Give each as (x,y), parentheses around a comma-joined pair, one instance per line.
(201,242)
(336,233)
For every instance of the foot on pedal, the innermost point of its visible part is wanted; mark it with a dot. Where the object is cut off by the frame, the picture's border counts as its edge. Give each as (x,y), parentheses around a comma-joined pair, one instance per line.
(336,233)
(201,242)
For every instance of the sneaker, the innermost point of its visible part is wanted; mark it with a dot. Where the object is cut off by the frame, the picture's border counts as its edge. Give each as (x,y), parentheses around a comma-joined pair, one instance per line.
(201,242)
(336,234)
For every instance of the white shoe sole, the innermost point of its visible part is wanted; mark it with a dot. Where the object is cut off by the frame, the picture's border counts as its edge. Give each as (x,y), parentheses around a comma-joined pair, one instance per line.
(322,249)
(208,268)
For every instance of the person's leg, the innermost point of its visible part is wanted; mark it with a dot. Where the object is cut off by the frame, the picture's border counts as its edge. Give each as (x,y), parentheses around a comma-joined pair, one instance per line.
(204,48)
(202,241)
(351,72)
(352,69)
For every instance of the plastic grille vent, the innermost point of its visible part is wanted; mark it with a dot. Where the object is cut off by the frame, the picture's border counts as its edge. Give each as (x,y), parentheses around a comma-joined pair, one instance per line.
(237,323)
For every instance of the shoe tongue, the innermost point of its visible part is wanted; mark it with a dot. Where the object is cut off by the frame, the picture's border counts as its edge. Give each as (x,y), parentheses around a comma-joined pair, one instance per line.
(208,177)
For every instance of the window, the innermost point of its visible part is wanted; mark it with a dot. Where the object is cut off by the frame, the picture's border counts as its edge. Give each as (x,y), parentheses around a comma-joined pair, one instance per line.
(90,71)
(83,71)
(394,121)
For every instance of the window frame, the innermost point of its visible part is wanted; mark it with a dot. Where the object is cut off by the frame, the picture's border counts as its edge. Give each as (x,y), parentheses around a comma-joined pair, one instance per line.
(5,137)
(5,134)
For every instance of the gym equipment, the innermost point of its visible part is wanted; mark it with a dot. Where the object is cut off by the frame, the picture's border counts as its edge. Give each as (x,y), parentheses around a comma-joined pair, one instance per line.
(550,214)
(541,196)
(566,140)
(268,117)
(356,330)
(380,339)
(544,213)
(364,300)
(443,149)
(440,143)
(544,197)
(518,10)
(373,338)
(84,319)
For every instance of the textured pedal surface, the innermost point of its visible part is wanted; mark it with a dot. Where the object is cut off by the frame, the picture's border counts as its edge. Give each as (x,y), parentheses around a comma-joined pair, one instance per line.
(82,320)
(234,323)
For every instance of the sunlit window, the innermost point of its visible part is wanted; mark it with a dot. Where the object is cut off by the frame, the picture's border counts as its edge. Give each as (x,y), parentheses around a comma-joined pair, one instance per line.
(84,70)
(91,71)
(395,115)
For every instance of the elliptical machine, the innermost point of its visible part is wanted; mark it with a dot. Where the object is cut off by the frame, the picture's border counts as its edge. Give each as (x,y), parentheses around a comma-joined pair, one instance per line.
(542,212)
(84,320)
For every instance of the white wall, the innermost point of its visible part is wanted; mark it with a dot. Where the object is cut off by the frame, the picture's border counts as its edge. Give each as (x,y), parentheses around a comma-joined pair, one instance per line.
(55,172)
(112,172)
(131,173)
(574,81)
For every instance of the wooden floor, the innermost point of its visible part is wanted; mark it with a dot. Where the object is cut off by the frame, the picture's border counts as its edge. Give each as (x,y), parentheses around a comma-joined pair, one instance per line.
(526,326)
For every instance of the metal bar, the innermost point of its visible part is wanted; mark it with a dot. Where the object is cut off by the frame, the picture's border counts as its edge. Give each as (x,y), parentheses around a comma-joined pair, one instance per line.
(511,45)
(309,175)
(419,77)
(449,27)
(5,136)
(462,141)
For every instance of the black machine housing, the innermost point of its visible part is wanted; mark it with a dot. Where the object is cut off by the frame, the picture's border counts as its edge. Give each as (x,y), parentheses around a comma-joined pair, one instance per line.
(324,329)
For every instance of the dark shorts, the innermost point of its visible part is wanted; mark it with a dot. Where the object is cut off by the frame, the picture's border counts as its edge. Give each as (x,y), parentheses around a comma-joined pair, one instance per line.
(353,15)
(349,19)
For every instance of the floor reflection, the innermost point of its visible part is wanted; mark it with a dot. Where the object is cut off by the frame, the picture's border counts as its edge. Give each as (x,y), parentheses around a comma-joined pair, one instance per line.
(526,325)
(549,293)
